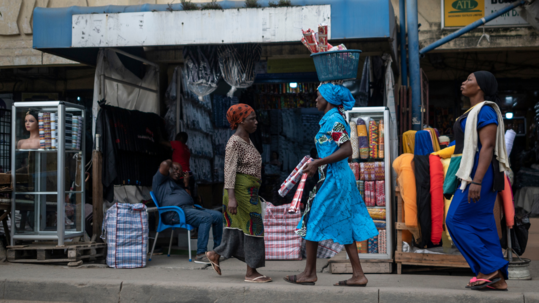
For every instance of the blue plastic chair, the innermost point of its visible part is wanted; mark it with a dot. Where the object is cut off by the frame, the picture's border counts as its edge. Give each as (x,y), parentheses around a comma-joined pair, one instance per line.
(162,226)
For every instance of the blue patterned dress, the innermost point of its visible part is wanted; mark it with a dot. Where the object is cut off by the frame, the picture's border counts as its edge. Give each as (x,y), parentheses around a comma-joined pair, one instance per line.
(335,209)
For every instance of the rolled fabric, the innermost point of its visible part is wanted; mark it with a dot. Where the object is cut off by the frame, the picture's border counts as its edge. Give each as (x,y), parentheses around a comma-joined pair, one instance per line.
(377,213)
(508,204)
(436,198)
(294,206)
(447,202)
(294,177)
(381,139)
(362,247)
(379,171)
(363,139)
(373,139)
(354,140)
(367,171)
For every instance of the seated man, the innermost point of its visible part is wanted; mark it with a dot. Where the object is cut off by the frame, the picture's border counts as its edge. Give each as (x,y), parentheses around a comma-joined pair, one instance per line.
(169,192)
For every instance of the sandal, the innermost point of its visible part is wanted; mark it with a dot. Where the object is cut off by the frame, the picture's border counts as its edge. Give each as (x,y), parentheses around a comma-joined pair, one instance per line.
(214,265)
(472,280)
(294,280)
(493,288)
(345,283)
(256,280)
(484,285)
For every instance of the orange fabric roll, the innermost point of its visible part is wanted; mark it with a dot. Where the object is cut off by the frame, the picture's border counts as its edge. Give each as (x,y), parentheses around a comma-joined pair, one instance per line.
(508,204)
(407,187)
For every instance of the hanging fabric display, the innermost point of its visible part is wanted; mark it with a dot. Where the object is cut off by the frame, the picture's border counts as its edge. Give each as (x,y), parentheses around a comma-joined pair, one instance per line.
(354,140)
(373,139)
(202,69)
(237,63)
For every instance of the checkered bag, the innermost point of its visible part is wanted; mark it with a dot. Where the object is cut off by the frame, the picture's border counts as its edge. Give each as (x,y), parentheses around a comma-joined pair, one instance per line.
(125,230)
(326,249)
(280,239)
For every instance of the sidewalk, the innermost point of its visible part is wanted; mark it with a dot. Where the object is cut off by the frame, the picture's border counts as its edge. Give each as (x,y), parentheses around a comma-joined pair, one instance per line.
(174,279)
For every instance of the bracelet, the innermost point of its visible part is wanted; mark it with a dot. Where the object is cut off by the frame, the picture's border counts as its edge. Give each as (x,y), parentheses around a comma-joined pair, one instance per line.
(476,183)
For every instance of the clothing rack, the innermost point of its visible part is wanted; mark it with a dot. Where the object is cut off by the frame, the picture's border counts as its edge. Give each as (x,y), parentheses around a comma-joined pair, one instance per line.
(410,258)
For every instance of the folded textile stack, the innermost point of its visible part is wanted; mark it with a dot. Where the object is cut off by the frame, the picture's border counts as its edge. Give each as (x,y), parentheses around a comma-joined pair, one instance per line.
(354,140)
(281,241)
(373,139)
(380,224)
(355,169)
(47,128)
(41,130)
(69,131)
(373,245)
(361,188)
(362,247)
(380,193)
(54,131)
(363,139)
(370,200)
(381,139)
(382,242)
(376,213)
(372,171)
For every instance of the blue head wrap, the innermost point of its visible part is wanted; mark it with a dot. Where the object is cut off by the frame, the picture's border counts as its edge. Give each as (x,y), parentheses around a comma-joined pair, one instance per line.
(337,95)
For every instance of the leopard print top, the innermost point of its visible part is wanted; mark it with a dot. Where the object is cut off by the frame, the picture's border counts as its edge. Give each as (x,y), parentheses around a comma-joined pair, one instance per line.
(241,157)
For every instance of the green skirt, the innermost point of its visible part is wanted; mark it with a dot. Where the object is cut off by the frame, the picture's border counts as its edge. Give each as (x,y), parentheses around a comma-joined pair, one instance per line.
(249,214)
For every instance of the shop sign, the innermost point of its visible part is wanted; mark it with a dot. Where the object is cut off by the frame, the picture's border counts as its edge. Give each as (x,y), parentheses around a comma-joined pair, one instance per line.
(460,13)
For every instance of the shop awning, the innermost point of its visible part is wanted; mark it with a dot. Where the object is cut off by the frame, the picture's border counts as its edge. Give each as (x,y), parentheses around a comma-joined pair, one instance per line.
(77,33)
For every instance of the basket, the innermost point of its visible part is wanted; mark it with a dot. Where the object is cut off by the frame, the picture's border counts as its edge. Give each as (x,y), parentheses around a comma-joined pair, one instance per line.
(336,65)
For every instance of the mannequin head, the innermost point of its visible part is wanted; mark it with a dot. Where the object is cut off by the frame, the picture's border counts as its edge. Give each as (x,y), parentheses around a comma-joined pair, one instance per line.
(31,121)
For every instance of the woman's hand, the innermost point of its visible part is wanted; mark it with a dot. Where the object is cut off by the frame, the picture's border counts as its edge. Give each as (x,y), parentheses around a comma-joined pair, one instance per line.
(311,168)
(474,193)
(232,205)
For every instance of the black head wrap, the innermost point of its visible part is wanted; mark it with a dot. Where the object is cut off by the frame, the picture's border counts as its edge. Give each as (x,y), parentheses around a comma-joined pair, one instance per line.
(488,84)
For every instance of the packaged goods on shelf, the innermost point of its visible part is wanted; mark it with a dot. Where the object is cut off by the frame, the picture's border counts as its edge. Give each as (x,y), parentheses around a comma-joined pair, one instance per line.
(41,125)
(377,213)
(380,193)
(372,171)
(373,139)
(381,139)
(369,194)
(363,139)
(373,245)
(380,224)
(54,131)
(354,140)
(382,242)
(362,247)
(361,187)
(355,169)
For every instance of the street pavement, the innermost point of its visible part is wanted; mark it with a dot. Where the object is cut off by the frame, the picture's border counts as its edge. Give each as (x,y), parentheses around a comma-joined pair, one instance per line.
(174,279)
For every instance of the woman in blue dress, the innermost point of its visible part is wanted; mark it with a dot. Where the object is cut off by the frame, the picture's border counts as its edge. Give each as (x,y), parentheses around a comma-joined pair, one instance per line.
(470,219)
(335,209)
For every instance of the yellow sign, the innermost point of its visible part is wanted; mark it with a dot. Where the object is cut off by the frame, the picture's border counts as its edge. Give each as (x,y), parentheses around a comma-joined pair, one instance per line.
(459,13)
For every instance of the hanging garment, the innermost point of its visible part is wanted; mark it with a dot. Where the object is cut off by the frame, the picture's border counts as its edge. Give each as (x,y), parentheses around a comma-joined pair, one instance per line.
(422,181)
(434,137)
(437,198)
(509,140)
(445,153)
(407,187)
(447,202)
(471,224)
(408,141)
(423,143)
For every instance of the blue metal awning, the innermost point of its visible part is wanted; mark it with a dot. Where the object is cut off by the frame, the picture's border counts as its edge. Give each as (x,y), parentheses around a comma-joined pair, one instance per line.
(350,19)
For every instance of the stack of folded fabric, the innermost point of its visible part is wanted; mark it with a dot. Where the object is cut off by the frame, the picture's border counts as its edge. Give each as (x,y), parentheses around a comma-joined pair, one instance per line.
(382,241)
(281,241)
(373,245)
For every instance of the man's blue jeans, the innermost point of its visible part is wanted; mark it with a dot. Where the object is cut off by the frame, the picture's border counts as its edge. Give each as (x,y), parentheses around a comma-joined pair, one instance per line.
(203,219)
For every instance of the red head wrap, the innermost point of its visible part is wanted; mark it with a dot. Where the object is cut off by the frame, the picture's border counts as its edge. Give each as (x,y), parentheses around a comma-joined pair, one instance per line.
(237,113)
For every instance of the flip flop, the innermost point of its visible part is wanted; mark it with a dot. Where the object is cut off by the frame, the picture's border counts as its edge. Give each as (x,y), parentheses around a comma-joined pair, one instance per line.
(487,283)
(293,279)
(214,265)
(472,280)
(345,283)
(254,280)
(492,288)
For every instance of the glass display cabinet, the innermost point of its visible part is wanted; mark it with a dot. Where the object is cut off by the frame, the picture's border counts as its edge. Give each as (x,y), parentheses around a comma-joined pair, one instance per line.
(47,169)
